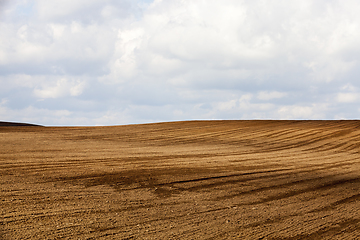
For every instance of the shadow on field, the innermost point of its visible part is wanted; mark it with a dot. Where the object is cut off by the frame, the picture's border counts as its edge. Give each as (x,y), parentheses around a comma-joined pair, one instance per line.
(166,182)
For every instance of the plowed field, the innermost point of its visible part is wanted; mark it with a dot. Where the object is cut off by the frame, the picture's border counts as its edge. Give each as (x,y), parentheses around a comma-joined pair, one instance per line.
(182,180)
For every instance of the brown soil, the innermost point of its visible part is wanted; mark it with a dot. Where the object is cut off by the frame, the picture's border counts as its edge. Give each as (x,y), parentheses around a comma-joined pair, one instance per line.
(182,180)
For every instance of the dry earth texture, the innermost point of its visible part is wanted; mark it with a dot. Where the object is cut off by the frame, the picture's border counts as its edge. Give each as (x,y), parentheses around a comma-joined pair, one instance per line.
(182,180)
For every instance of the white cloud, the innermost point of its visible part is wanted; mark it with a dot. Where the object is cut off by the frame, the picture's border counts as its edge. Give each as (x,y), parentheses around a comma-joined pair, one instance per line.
(54,9)
(347,97)
(180,59)
(3,101)
(315,111)
(348,87)
(266,95)
(61,88)
(242,108)
(85,11)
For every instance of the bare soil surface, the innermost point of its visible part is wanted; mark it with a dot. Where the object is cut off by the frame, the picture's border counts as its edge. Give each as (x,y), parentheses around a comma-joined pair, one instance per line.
(182,180)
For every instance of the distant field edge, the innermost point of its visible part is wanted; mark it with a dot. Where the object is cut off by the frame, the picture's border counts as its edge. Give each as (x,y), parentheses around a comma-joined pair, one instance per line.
(17,124)
(257,121)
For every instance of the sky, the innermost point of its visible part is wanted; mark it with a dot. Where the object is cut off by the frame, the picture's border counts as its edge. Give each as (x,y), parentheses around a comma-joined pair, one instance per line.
(114,62)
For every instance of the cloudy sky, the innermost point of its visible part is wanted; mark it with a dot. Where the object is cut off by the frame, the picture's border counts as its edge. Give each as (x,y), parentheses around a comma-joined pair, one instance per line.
(111,62)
